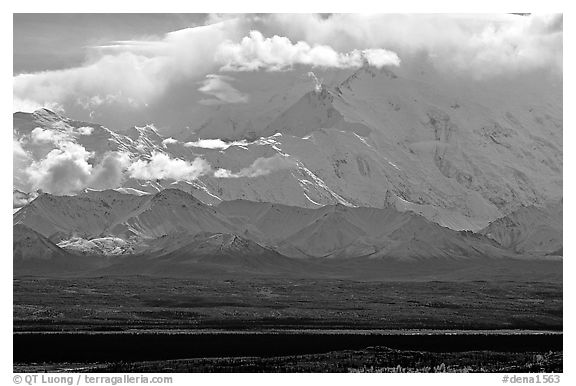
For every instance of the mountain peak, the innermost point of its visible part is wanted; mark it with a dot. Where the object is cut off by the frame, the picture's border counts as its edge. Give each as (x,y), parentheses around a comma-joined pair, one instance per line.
(366,72)
(48,115)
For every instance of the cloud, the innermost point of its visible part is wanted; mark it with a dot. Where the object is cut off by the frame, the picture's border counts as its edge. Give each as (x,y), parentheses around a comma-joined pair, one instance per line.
(109,173)
(21,159)
(479,45)
(70,168)
(379,58)
(19,199)
(17,148)
(260,167)
(40,135)
(64,170)
(161,166)
(169,141)
(131,73)
(219,87)
(255,52)
(21,103)
(208,144)
(67,167)
(86,130)
(215,144)
(155,79)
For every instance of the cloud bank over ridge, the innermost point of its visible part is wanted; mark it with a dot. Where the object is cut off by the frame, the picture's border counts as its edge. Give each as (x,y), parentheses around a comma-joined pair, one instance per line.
(135,74)
(66,167)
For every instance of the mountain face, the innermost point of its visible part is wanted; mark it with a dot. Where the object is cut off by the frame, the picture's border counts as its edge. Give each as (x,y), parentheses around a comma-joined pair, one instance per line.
(339,231)
(530,230)
(460,153)
(113,223)
(171,233)
(88,214)
(30,245)
(96,214)
(34,254)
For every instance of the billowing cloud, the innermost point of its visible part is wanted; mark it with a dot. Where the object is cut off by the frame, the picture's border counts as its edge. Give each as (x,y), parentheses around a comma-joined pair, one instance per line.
(64,169)
(40,135)
(260,167)
(109,173)
(161,166)
(255,52)
(219,87)
(67,167)
(70,168)
(50,159)
(129,73)
(146,80)
(474,44)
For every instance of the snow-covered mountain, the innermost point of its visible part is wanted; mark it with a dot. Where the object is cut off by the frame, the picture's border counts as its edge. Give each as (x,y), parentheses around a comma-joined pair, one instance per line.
(89,214)
(34,254)
(340,231)
(113,223)
(462,154)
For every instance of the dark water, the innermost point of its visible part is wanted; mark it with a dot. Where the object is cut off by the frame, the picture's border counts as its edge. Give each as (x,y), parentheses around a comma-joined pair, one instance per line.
(82,347)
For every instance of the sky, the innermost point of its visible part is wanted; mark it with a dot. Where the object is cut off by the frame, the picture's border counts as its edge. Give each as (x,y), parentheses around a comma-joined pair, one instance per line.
(132,69)
(58,41)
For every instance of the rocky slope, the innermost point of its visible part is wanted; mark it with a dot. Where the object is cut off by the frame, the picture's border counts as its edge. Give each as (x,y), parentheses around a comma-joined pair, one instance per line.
(113,223)
(34,254)
(530,230)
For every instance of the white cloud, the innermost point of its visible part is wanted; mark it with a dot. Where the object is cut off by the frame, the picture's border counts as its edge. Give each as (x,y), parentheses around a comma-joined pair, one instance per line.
(25,104)
(128,73)
(215,144)
(380,58)
(218,86)
(255,52)
(19,198)
(21,159)
(85,130)
(64,170)
(40,135)
(109,173)
(161,166)
(477,44)
(94,101)
(260,167)
(169,141)
(129,76)
(17,148)
(68,167)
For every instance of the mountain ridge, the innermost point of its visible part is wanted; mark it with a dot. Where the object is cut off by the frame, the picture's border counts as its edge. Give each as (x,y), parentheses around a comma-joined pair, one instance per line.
(409,137)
